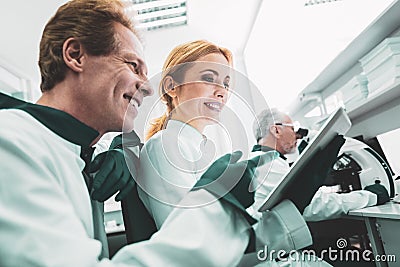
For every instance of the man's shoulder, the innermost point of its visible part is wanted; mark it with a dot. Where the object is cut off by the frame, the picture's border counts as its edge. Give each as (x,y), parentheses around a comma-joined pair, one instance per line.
(14,119)
(19,125)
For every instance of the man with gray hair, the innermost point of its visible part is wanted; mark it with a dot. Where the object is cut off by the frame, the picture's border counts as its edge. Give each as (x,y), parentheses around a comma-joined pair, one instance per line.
(285,141)
(275,130)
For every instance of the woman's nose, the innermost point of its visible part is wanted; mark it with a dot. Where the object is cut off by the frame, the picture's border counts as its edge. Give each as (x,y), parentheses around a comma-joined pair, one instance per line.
(220,93)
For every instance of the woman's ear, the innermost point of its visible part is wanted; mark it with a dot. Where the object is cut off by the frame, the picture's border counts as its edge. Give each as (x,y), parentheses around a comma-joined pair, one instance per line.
(73,54)
(169,86)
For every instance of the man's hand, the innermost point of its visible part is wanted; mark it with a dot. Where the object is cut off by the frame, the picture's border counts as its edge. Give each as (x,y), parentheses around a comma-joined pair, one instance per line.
(380,191)
(229,175)
(111,174)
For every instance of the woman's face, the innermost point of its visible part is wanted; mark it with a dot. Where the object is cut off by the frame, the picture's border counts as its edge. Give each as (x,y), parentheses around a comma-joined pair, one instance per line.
(204,91)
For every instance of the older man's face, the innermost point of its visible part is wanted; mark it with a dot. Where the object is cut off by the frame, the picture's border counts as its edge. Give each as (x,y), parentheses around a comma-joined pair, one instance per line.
(287,140)
(115,85)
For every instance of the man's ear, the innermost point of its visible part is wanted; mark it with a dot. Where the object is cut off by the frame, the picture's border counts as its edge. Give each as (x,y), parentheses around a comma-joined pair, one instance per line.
(169,86)
(73,54)
(274,131)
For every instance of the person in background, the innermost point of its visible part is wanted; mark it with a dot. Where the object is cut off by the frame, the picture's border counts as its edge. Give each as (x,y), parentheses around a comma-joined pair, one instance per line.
(274,131)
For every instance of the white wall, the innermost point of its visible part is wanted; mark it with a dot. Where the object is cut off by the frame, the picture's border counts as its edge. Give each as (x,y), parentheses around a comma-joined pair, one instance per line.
(21,25)
(390,145)
(224,22)
(291,44)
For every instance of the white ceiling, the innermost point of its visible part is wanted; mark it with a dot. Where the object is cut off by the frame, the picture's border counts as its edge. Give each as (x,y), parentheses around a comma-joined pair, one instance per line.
(225,22)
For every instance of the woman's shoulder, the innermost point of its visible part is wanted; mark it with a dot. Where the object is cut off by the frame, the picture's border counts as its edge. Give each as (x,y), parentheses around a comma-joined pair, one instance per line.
(154,141)
(170,146)
(158,143)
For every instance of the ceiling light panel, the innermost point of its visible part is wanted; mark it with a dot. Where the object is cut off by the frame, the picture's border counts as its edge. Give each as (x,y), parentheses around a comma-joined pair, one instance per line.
(317,2)
(157,14)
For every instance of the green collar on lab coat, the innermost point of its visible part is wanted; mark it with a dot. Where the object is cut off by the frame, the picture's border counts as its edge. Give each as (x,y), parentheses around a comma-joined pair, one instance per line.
(60,122)
(266,149)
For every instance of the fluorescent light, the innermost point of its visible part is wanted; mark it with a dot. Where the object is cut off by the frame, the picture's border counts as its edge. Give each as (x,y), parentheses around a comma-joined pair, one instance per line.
(161,13)
(316,2)
(164,22)
(154,4)
(155,14)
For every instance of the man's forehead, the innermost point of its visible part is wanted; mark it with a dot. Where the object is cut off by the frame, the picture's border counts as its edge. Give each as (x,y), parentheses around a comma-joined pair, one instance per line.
(139,49)
(131,54)
(287,119)
(136,47)
(129,40)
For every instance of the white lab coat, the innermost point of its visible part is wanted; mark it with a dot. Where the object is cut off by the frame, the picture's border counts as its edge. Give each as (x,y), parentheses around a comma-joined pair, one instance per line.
(171,163)
(45,211)
(324,204)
